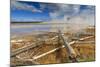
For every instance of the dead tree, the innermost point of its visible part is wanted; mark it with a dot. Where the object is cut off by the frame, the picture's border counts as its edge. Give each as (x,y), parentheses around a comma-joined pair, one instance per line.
(70,50)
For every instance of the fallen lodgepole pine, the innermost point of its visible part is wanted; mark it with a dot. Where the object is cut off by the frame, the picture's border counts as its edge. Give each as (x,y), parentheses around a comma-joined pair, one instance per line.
(70,50)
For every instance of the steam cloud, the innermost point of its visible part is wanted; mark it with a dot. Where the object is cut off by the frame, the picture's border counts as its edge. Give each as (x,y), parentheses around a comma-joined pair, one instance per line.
(70,11)
(71,14)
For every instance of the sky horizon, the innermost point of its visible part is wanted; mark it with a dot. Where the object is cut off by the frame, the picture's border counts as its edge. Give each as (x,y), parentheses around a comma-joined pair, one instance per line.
(22,11)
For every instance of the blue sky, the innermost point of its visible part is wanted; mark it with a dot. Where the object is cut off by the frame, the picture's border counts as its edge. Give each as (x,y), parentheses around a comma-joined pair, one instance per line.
(35,11)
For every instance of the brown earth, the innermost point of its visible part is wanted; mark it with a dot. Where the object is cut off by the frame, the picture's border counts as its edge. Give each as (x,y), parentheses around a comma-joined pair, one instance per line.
(85,49)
